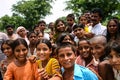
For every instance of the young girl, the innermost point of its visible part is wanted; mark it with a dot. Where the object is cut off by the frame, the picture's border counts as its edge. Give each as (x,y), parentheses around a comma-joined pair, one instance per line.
(60,27)
(6,48)
(113,50)
(21,68)
(32,37)
(48,67)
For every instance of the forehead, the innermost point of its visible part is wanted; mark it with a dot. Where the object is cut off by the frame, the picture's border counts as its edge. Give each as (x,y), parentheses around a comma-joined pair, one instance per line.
(5,45)
(83,42)
(32,34)
(113,52)
(9,28)
(69,18)
(95,14)
(41,45)
(83,17)
(78,29)
(97,42)
(20,46)
(112,22)
(65,50)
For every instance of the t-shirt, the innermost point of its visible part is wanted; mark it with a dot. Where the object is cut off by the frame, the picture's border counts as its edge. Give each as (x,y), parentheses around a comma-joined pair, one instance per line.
(27,72)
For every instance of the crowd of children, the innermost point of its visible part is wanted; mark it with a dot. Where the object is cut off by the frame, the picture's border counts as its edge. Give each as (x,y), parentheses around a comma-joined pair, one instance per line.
(71,50)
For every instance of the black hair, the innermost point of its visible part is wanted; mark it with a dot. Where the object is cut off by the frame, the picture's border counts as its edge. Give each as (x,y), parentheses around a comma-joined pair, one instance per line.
(8,42)
(29,33)
(62,36)
(9,26)
(42,21)
(19,41)
(64,45)
(97,10)
(46,41)
(36,25)
(56,23)
(71,16)
(84,40)
(78,26)
(117,35)
(113,45)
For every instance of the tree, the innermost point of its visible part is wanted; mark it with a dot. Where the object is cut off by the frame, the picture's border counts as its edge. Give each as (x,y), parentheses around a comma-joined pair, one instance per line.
(32,11)
(13,20)
(110,7)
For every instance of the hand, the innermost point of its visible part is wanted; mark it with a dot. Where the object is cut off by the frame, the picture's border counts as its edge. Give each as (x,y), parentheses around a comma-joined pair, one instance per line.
(89,35)
(32,58)
(42,72)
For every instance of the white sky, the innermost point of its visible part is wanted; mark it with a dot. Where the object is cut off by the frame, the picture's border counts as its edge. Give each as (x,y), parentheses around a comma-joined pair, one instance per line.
(58,9)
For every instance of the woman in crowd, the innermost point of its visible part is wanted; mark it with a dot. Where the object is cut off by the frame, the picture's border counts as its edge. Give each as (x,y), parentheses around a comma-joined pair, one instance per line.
(22,33)
(60,27)
(113,30)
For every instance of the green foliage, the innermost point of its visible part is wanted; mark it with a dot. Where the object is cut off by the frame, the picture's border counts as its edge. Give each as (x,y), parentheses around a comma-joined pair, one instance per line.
(13,20)
(110,7)
(32,10)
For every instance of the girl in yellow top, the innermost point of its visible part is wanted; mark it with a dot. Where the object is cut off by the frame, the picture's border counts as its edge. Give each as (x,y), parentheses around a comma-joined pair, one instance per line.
(48,67)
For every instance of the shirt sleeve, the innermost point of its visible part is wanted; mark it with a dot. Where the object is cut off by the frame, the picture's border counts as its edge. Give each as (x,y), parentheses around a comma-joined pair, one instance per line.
(9,73)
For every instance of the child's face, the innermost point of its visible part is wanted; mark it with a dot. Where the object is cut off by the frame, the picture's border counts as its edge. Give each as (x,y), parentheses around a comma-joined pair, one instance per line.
(42,26)
(40,36)
(83,20)
(70,21)
(67,39)
(61,26)
(33,38)
(20,53)
(84,49)
(112,27)
(43,51)
(115,59)
(37,30)
(66,57)
(79,32)
(7,50)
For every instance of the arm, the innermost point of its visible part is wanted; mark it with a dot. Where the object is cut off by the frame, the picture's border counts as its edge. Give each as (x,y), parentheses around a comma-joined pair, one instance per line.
(9,73)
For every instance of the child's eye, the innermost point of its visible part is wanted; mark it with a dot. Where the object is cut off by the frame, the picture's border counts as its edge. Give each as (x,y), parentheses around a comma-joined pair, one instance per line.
(61,56)
(45,49)
(38,49)
(109,56)
(17,50)
(69,54)
(24,49)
